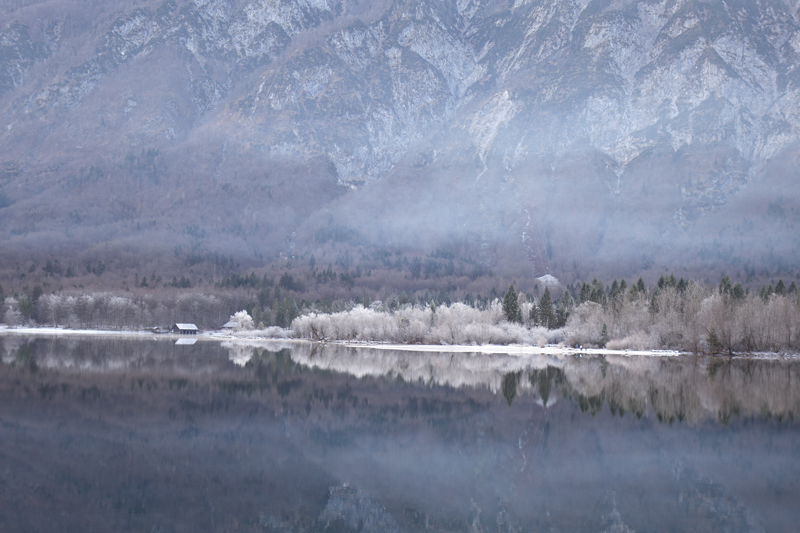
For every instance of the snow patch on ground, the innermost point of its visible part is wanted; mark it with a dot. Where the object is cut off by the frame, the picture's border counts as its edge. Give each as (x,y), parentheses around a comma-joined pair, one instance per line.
(549,281)
(277,338)
(72,332)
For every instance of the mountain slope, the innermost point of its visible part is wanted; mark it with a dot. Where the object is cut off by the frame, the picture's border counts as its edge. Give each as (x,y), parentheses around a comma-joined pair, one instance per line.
(567,136)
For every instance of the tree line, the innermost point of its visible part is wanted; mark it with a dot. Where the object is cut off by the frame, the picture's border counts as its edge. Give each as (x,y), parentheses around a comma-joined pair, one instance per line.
(673,314)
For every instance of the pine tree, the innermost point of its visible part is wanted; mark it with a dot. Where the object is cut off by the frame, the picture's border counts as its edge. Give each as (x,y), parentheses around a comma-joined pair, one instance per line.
(563,309)
(533,315)
(511,305)
(725,287)
(598,294)
(585,293)
(641,287)
(714,344)
(546,315)
(780,288)
(738,292)
(766,292)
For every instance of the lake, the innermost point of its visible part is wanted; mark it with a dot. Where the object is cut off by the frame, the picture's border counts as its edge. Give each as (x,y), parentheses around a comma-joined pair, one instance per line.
(122,434)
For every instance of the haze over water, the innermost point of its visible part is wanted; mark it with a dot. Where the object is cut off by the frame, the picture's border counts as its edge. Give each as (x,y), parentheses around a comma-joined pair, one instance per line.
(144,435)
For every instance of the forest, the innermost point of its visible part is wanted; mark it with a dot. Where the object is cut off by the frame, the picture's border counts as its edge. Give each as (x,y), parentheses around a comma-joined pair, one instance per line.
(680,315)
(673,314)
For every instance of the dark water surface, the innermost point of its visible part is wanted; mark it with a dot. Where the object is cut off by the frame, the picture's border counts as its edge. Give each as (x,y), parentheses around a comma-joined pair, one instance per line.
(143,435)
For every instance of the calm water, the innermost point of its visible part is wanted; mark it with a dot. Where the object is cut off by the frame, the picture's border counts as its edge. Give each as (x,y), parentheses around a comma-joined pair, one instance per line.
(143,435)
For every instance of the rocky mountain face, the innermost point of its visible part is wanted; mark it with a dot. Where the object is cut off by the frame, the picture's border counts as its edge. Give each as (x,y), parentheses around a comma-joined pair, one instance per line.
(545,135)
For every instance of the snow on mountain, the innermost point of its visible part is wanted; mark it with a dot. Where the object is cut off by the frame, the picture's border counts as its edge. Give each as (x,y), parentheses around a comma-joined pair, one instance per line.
(369,93)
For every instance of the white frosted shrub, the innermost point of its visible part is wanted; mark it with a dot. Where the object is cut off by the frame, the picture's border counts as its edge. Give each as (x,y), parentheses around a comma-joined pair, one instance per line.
(272,332)
(413,324)
(640,340)
(12,315)
(242,321)
(780,314)
(633,317)
(585,325)
(454,324)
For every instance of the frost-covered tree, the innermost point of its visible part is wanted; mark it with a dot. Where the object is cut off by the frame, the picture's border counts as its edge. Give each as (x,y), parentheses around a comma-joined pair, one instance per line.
(242,320)
(13,317)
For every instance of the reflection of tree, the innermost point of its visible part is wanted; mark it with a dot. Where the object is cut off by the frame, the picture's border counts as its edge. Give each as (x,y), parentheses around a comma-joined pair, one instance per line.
(681,390)
(543,381)
(690,389)
(674,389)
(509,387)
(238,354)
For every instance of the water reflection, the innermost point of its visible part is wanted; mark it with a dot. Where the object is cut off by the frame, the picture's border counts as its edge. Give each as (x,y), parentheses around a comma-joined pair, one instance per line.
(684,389)
(115,434)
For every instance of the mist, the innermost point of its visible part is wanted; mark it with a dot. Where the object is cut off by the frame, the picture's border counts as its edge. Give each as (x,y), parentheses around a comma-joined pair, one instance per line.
(618,140)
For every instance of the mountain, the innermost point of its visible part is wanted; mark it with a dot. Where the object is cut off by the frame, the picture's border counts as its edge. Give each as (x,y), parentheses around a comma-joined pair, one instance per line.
(571,137)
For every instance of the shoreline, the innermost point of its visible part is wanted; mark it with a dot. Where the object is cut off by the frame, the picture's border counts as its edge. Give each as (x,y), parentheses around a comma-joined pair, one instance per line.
(486,349)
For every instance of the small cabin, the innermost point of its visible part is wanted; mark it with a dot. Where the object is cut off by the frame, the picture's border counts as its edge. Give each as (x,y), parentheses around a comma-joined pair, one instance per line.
(184,329)
(230,325)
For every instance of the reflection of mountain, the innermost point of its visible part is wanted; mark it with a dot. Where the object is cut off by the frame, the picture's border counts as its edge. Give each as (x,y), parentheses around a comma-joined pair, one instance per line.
(710,503)
(146,435)
(675,388)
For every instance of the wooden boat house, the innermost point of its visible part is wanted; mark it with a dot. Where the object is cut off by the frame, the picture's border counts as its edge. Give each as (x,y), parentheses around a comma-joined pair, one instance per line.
(184,329)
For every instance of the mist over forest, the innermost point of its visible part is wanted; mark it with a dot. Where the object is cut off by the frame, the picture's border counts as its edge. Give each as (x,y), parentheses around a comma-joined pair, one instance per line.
(338,150)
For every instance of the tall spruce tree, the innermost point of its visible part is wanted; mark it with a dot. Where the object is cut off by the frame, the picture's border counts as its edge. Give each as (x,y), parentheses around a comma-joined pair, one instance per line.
(641,287)
(511,305)
(546,314)
(780,288)
(563,309)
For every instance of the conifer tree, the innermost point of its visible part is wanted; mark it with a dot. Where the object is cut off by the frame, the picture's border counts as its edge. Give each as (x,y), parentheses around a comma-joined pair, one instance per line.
(766,292)
(546,315)
(614,291)
(585,293)
(738,292)
(598,294)
(780,288)
(641,287)
(563,309)
(511,305)
(533,315)
(604,336)
(725,287)
(714,344)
